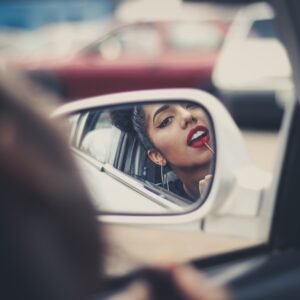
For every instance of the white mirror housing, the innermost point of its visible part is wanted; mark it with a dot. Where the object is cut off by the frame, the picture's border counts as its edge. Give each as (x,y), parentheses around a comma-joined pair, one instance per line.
(232,195)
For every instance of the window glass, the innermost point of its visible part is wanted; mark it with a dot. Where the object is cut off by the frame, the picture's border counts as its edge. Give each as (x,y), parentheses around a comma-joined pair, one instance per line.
(139,40)
(193,36)
(241,61)
(263,29)
(96,140)
(136,40)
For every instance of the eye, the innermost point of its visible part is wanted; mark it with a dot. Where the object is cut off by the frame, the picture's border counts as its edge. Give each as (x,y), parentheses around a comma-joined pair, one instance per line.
(165,122)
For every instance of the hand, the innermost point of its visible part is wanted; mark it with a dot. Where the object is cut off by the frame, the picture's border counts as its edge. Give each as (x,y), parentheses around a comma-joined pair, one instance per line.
(138,290)
(204,184)
(195,286)
(189,283)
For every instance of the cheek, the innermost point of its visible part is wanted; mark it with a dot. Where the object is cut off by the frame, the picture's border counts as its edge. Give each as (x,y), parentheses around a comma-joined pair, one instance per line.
(202,118)
(167,140)
(172,144)
(176,152)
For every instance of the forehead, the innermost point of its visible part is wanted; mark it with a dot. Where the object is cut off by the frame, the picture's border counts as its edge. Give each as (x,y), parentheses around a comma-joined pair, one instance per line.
(150,110)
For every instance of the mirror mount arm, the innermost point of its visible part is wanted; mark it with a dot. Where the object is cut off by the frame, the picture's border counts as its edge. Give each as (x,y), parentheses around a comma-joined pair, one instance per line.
(246,193)
(243,206)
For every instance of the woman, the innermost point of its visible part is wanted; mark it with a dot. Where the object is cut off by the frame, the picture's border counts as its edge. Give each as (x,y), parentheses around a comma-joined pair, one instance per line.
(178,136)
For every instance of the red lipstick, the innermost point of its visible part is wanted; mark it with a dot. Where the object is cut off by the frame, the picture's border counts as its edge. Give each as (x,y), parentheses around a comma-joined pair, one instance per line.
(198,136)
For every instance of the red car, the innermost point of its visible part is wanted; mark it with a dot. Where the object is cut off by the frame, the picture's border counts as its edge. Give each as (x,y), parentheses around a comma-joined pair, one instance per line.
(137,56)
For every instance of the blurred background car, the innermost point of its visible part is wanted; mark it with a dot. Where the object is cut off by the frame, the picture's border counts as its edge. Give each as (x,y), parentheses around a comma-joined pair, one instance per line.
(176,49)
(253,74)
(144,56)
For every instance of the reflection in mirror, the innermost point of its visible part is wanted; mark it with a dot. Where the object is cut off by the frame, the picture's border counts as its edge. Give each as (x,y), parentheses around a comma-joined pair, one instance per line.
(151,158)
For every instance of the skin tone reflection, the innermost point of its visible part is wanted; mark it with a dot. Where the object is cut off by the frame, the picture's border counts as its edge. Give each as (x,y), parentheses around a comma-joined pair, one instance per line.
(181,135)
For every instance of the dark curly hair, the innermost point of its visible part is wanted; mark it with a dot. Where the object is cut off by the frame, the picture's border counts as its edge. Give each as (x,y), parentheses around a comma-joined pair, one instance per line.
(140,127)
(121,118)
(132,120)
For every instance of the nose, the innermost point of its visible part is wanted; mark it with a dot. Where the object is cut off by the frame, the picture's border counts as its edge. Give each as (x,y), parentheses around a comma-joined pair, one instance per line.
(187,117)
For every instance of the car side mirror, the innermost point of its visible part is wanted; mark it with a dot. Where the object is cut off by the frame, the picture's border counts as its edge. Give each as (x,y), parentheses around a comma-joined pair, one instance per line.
(146,155)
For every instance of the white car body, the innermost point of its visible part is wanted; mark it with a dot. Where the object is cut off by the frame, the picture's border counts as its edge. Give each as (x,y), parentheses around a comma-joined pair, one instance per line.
(245,72)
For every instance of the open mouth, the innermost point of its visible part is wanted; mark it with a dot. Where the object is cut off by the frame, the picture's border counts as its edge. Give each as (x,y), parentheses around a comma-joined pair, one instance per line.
(198,136)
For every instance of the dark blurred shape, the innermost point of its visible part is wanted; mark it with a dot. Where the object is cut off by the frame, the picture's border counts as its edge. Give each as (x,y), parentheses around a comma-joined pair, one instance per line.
(50,81)
(254,110)
(161,284)
(50,239)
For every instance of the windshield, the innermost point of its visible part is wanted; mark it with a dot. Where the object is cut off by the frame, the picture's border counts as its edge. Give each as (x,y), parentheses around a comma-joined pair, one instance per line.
(78,50)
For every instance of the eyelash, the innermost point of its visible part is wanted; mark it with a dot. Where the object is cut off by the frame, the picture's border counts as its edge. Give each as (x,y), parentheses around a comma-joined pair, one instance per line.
(165,122)
(190,105)
(168,120)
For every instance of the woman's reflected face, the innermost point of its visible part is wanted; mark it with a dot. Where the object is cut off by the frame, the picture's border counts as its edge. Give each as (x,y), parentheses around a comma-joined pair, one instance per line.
(181,133)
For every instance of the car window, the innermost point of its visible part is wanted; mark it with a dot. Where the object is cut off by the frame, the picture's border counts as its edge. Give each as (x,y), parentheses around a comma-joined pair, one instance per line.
(187,37)
(135,40)
(246,67)
(95,135)
(97,143)
(263,29)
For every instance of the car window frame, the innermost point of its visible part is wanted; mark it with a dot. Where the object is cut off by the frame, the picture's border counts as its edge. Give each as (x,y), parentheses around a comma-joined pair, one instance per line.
(79,128)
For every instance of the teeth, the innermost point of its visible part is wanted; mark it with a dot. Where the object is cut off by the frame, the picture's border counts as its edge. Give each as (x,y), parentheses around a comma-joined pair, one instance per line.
(197,134)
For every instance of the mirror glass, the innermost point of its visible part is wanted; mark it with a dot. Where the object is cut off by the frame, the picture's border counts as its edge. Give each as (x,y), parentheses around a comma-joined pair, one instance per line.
(145,158)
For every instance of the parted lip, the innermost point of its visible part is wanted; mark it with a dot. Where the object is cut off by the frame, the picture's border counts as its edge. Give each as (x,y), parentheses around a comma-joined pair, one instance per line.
(193,131)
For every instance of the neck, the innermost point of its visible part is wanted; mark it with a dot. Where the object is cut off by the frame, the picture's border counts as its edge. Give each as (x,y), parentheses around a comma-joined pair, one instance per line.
(191,177)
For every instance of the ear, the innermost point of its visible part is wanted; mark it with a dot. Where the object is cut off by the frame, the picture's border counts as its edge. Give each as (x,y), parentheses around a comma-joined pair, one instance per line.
(157,157)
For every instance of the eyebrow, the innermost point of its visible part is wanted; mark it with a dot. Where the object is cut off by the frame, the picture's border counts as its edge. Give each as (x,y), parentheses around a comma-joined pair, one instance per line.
(162,108)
